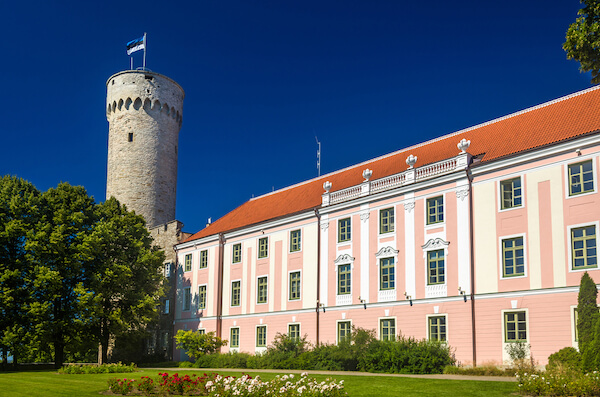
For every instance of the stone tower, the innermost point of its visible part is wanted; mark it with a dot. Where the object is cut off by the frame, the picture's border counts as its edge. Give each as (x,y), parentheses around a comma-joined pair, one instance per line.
(144,111)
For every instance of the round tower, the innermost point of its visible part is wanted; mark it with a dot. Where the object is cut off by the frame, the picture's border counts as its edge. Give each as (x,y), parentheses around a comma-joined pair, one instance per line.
(144,112)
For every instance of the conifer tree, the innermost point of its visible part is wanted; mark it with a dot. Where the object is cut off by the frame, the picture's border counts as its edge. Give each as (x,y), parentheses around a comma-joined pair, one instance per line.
(587,313)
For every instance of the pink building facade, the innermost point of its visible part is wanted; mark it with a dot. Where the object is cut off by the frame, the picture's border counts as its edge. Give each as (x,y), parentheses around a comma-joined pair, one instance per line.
(478,238)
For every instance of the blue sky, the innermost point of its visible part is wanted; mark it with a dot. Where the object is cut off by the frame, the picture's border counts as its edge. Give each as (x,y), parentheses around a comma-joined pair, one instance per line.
(262,78)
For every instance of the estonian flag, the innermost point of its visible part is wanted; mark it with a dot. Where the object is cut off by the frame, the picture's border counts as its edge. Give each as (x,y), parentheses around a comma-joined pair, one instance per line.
(136,45)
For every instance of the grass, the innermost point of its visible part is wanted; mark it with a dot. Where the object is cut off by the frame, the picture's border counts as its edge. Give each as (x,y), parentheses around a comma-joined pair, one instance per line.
(52,384)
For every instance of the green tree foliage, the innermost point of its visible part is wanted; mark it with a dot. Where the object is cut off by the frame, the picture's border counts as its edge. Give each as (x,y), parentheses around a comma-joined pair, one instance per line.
(123,278)
(55,248)
(19,201)
(583,39)
(196,344)
(587,312)
(72,272)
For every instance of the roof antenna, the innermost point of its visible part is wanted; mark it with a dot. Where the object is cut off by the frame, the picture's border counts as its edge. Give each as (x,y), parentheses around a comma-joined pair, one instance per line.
(318,157)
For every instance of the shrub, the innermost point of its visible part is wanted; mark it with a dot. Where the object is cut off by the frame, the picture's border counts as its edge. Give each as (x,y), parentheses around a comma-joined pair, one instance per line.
(97,369)
(484,370)
(196,344)
(520,357)
(559,382)
(567,357)
(587,311)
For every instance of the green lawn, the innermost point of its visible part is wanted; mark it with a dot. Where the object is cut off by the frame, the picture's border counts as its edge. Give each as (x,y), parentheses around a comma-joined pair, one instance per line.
(47,383)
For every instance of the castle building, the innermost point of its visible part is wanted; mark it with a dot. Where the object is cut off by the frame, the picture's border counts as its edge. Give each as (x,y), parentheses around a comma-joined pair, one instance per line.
(144,110)
(478,238)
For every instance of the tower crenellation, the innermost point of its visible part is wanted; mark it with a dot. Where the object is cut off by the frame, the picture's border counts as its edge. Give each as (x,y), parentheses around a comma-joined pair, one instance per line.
(144,110)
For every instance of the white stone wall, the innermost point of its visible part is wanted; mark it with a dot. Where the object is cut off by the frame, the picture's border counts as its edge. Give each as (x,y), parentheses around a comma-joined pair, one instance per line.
(144,111)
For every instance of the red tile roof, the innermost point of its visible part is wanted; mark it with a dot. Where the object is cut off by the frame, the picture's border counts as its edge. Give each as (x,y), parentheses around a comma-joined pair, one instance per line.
(542,125)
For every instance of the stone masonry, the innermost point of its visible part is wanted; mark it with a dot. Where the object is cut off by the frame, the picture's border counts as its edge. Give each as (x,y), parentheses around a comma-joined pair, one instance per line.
(144,111)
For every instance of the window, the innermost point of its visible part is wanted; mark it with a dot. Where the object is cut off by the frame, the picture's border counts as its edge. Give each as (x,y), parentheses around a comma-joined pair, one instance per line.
(187,298)
(515,327)
(387,329)
(263,247)
(386,220)
(386,273)
(510,193)
(202,297)
(583,247)
(344,331)
(188,262)
(234,337)
(344,279)
(437,328)
(344,230)
(202,331)
(236,256)
(235,293)
(130,137)
(294,285)
(295,241)
(168,269)
(203,259)
(435,267)
(261,296)
(294,331)
(261,336)
(581,178)
(513,258)
(167,307)
(435,210)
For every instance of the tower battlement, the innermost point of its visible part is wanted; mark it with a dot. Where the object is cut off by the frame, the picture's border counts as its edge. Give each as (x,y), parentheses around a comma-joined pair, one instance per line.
(144,110)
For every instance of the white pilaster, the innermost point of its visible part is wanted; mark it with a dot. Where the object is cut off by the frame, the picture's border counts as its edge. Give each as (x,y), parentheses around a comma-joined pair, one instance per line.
(324,255)
(364,252)
(463,236)
(409,240)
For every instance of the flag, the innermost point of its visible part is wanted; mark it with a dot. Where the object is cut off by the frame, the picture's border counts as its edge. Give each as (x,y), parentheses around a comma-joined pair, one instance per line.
(136,45)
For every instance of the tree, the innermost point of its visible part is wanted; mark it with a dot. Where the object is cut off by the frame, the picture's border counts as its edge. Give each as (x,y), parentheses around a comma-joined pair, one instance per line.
(587,312)
(583,39)
(197,344)
(18,206)
(66,215)
(123,278)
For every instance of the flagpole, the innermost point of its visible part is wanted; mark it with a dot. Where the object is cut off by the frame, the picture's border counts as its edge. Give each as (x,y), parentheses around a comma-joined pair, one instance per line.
(145,45)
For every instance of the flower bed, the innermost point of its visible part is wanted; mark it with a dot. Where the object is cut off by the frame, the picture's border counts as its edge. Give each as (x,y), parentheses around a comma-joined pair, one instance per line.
(559,383)
(223,386)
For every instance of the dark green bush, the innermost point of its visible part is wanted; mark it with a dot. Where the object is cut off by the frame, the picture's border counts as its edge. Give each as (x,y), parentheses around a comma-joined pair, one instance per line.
(363,352)
(565,357)
(485,370)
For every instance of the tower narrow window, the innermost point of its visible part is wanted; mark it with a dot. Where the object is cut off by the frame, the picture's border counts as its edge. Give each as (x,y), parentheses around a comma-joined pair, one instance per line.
(130,137)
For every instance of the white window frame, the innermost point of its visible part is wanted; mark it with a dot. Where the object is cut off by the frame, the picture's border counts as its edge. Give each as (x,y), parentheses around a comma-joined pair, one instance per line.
(257,348)
(570,244)
(267,297)
(337,230)
(189,293)
(499,192)
(501,256)
(231,348)
(206,296)
(299,329)
(379,319)
(426,214)
(231,293)
(581,159)
(428,316)
(337,334)
(386,234)
(290,241)
(505,356)
(289,289)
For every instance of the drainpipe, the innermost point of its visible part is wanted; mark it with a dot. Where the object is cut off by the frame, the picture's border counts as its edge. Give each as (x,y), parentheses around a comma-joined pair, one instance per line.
(472,258)
(220,286)
(318,268)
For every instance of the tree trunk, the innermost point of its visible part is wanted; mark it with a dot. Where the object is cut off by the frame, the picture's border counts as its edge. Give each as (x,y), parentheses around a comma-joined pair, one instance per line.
(104,338)
(59,351)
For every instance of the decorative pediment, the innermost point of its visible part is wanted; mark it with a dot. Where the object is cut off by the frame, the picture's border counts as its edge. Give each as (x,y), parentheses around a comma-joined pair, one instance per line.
(344,258)
(435,243)
(386,251)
